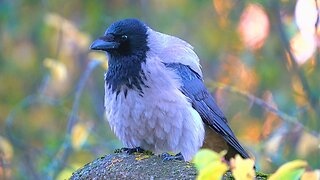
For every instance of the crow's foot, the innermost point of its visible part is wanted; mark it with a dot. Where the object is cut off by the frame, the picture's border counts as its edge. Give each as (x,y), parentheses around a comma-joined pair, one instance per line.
(132,150)
(168,157)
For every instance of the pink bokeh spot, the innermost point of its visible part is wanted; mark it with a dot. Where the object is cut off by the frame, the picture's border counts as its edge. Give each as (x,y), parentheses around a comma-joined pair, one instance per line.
(254,26)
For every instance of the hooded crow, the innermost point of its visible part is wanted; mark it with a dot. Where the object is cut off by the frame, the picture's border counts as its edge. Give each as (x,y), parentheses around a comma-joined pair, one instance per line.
(155,97)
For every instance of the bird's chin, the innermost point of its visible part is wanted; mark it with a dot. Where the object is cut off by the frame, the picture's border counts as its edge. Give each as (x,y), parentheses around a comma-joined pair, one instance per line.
(113,54)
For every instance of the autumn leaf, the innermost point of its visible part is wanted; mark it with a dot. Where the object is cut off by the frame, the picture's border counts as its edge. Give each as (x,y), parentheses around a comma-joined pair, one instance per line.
(214,170)
(290,170)
(57,68)
(210,164)
(79,135)
(6,149)
(242,168)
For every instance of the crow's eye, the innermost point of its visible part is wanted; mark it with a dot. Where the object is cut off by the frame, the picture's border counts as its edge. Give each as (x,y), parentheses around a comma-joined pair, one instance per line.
(124,37)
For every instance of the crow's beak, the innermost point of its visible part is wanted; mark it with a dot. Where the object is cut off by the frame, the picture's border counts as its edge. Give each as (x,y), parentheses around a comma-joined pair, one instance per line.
(104,43)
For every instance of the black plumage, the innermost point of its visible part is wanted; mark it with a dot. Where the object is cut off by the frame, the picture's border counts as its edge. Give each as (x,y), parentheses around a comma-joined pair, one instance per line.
(124,65)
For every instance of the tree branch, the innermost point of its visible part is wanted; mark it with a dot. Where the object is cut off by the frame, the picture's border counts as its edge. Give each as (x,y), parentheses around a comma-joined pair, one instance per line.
(59,161)
(263,104)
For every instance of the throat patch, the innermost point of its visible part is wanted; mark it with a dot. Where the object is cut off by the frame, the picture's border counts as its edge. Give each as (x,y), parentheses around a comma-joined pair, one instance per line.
(125,74)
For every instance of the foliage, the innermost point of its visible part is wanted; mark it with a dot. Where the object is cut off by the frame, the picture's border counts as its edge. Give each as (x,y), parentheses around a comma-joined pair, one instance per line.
(262,55)
(207,161)
(211,165)
(290,170)
(242,168)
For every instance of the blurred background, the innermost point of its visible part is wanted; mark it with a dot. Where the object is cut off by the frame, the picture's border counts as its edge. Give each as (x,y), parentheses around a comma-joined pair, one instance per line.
(260,59)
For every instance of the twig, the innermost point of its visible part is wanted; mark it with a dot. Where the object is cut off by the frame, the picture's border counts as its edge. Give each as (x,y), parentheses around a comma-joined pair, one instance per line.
(18,143)
(263,104)
(316,25)
(60,160)
(30,166)
(312,98)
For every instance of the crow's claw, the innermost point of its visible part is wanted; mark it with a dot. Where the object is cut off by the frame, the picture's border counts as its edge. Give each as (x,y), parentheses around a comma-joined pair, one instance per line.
(168,157)
(132,150)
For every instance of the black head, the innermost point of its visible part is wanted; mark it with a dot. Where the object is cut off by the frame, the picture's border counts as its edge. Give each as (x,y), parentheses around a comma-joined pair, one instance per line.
(123,38)
(125,42)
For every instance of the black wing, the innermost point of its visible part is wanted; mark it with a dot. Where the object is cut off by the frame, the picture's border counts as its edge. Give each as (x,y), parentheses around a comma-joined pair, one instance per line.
(194,88)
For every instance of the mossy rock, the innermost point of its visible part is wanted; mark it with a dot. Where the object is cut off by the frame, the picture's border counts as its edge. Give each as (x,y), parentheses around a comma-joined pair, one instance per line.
(138,166)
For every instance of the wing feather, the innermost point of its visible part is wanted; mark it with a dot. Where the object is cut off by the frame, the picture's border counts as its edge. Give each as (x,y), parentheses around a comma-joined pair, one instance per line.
(194,88)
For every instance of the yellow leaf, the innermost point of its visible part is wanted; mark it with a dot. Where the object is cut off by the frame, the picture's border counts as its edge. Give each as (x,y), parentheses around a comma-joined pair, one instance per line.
(57,68)
(210,164)
(214,170)
(290,170)
(242,168)
(311,175)
(5,149)
(206,156)
(79,135)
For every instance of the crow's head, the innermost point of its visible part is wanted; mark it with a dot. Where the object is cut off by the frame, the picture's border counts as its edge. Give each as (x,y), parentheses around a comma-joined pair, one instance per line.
(127,37)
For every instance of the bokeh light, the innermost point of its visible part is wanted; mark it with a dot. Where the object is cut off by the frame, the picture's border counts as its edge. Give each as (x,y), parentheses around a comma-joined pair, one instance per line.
(254,26)
(302,47)
(306,16)
(303,43)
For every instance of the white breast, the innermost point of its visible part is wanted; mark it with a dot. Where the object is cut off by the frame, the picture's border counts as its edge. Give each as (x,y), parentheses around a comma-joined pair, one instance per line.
(161,120)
